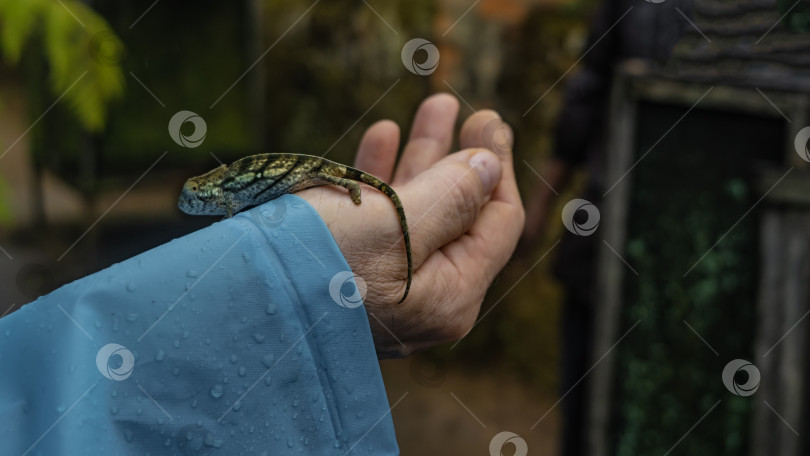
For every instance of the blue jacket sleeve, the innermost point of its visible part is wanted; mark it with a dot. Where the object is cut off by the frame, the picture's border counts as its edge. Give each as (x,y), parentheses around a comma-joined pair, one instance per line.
(247,337)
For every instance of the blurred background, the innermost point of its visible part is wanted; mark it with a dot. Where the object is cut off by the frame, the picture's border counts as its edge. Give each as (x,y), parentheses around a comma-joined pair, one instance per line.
(690,119)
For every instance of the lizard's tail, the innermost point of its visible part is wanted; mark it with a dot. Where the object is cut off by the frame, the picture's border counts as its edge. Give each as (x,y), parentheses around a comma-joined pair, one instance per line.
(356,174)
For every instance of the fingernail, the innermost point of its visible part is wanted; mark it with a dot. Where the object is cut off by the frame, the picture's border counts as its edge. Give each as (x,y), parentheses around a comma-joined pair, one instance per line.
(486,165)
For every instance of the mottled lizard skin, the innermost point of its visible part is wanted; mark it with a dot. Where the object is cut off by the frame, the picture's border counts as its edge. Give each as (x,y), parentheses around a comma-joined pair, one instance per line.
(260,178)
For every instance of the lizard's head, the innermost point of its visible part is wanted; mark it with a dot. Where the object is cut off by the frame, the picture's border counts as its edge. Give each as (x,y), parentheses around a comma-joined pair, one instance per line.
(202,195)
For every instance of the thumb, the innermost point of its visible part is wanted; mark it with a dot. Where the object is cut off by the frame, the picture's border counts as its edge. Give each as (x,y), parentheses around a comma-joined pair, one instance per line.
(443,201)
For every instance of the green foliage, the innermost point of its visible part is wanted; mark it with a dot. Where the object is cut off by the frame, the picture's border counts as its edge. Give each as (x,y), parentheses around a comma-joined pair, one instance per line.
(188,58)
(79,46)
(690,192)
(797,17)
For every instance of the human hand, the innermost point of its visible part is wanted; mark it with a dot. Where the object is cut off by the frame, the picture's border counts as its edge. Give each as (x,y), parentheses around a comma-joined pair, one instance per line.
(464,215)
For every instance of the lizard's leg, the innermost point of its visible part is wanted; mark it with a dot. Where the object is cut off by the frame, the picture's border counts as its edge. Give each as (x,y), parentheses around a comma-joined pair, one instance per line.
(352,186)
(230,205)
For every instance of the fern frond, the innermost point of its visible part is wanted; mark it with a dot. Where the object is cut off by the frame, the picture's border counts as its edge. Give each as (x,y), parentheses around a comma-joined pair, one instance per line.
(82,52)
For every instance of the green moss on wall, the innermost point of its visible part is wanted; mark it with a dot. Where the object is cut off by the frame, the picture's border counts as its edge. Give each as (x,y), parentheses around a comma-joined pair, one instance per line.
(687,194)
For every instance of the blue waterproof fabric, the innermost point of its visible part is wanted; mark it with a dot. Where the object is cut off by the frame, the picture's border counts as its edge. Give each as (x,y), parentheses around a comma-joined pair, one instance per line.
(224,342)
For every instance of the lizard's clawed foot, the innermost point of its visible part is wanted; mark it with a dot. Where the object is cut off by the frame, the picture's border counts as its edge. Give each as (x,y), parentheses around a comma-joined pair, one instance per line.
(354,190)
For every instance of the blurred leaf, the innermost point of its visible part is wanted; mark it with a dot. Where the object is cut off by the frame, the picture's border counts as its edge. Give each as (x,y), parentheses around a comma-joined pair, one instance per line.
(18,19)
(81,50)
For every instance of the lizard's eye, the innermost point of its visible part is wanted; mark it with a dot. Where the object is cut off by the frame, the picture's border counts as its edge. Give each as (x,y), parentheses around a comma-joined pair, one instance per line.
(194,188)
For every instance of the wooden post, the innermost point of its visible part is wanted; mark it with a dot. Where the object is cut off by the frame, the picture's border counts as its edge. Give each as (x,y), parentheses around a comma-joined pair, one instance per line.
(610,275)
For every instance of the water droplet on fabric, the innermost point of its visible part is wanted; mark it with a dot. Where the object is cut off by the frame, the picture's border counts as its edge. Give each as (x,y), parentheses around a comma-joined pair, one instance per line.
(217,391)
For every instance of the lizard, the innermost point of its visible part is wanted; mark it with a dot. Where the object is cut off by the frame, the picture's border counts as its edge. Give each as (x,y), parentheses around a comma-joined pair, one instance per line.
(256,179)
